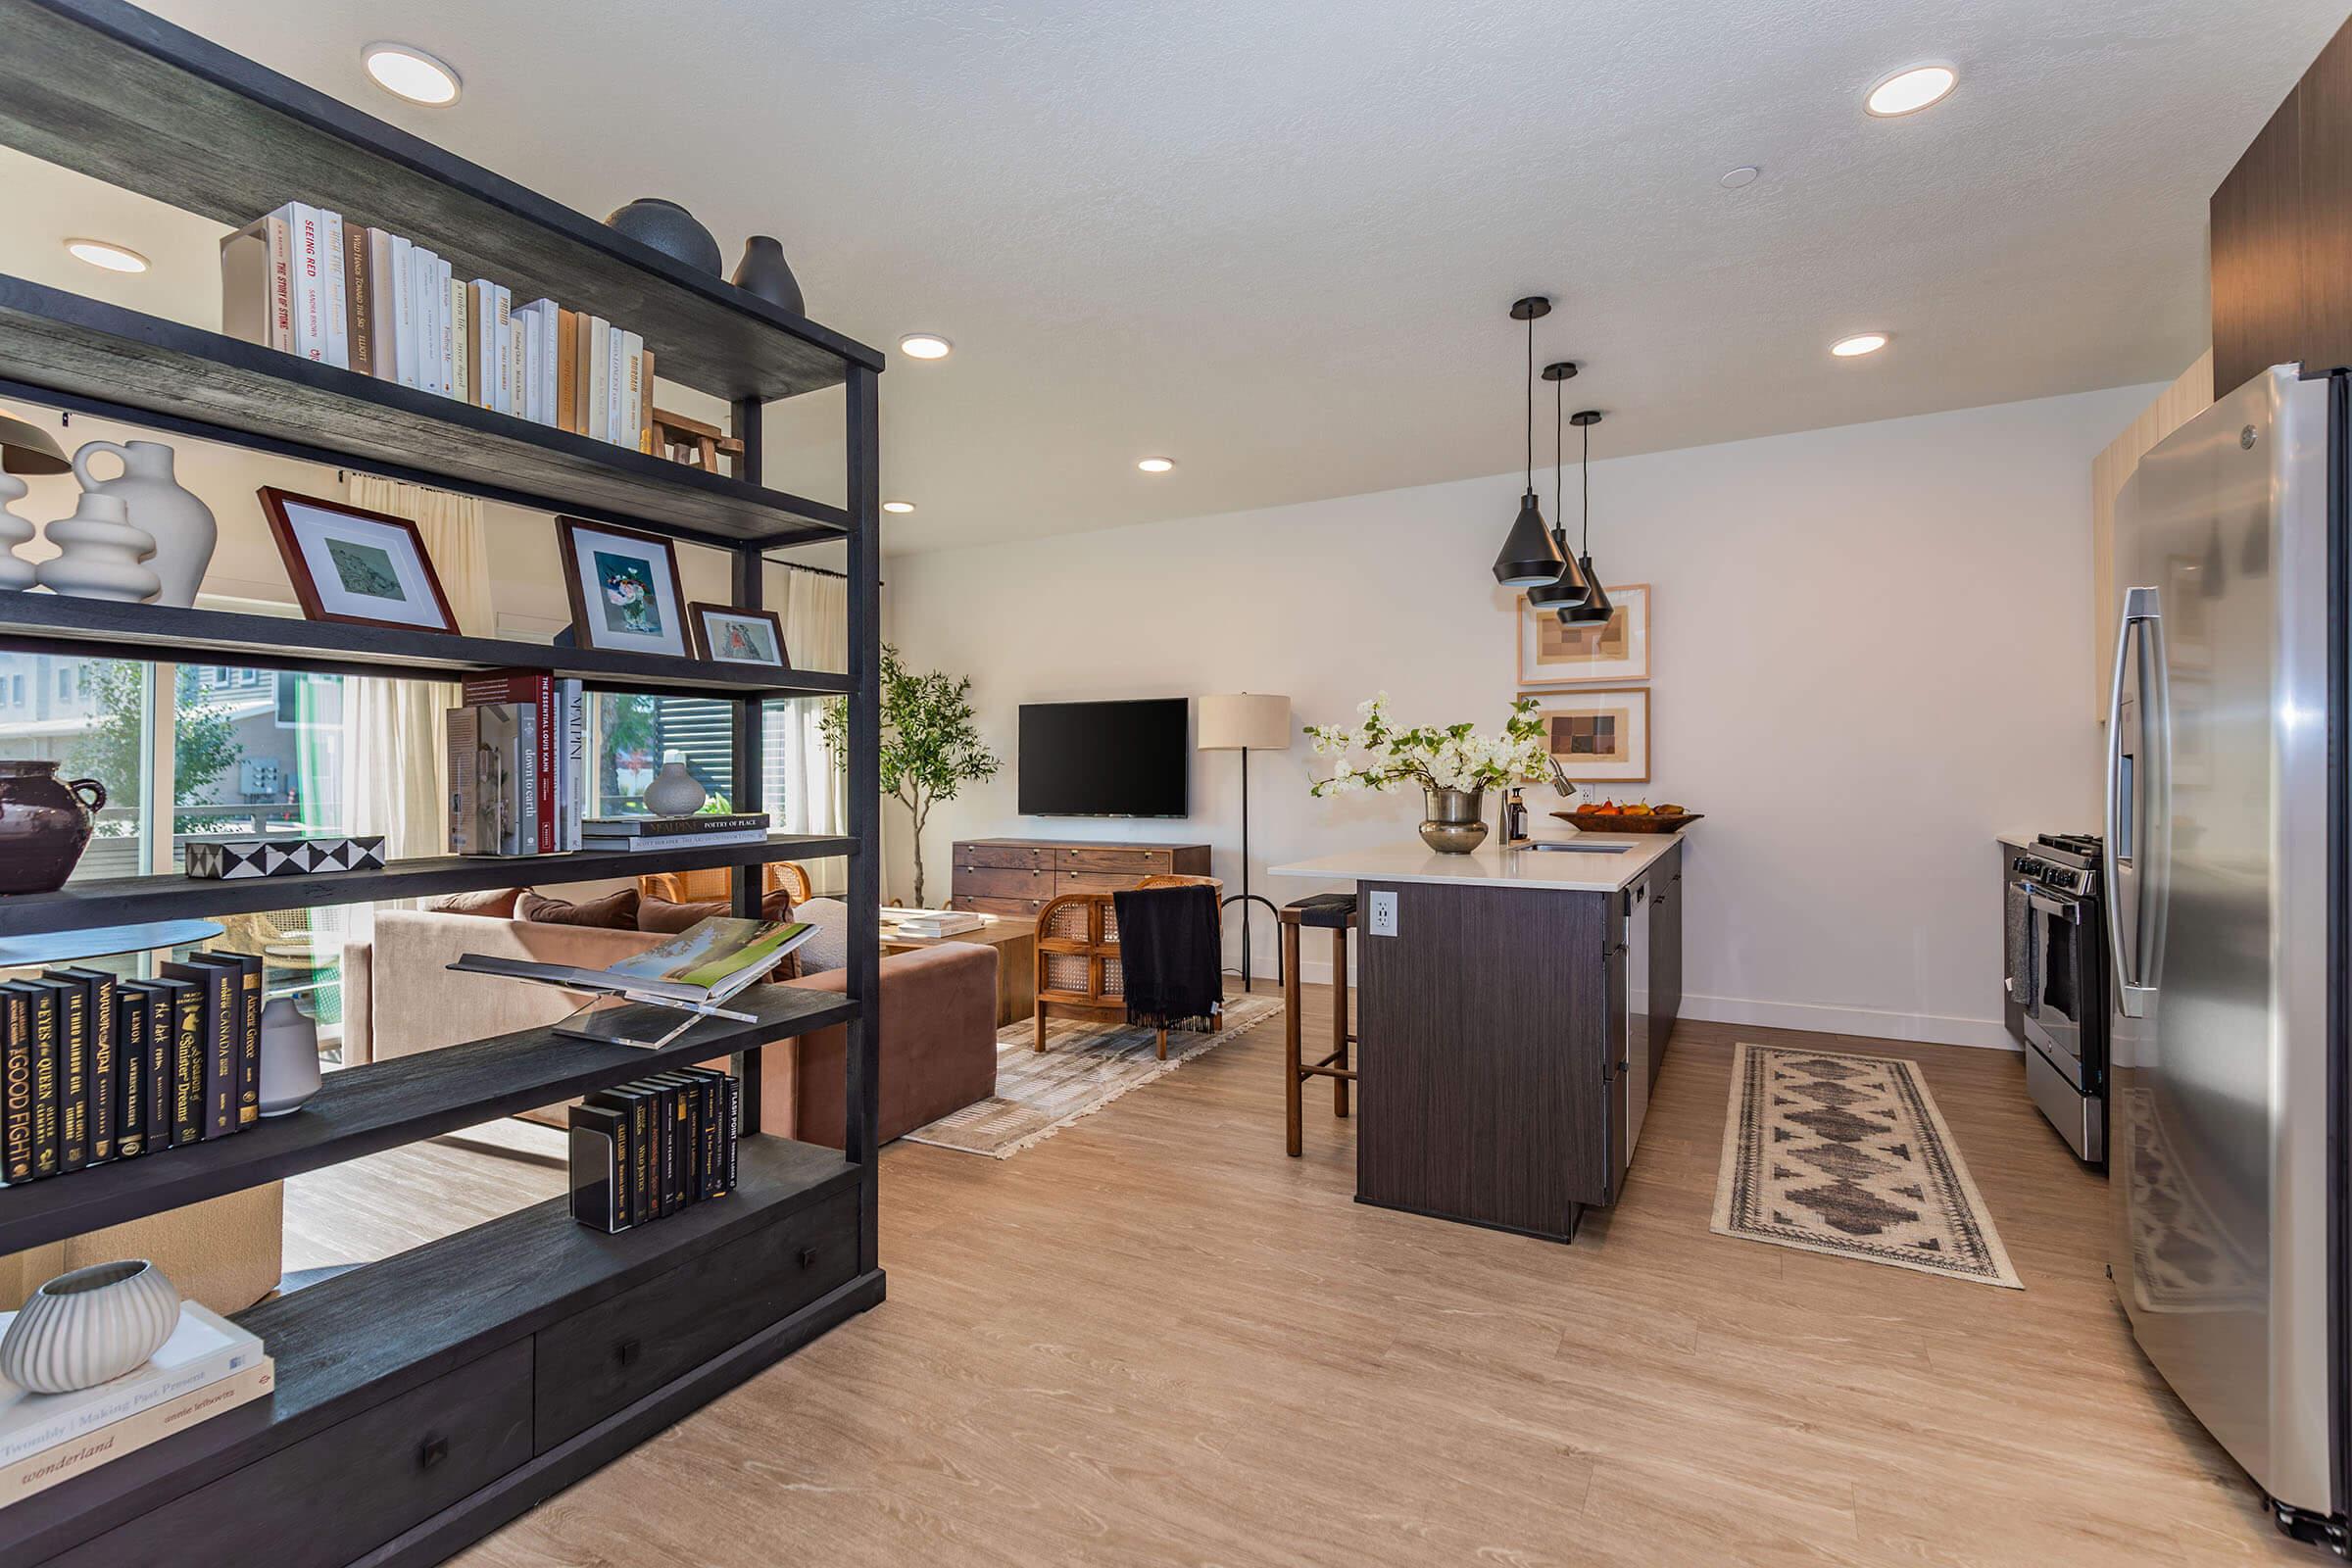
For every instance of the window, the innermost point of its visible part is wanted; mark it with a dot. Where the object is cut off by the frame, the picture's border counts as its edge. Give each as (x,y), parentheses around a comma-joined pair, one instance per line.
(65,683)
(96,727)
(635,733)
(16,691)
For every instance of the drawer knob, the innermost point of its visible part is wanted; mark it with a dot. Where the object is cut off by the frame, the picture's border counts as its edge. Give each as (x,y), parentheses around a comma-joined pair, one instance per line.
(808,1257)
(435,1450)
(627,1351)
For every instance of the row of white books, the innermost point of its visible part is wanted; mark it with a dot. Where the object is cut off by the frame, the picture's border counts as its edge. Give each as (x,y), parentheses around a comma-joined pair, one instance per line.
(517,764)
(304,282)
(909,922)
(207,1367)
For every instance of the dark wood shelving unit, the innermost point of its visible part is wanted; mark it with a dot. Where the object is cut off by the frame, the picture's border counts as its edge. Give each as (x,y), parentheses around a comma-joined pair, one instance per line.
(426,1399)
(54,623)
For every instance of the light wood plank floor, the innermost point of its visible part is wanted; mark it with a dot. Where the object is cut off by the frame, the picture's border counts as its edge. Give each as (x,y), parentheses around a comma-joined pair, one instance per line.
(1154,1339)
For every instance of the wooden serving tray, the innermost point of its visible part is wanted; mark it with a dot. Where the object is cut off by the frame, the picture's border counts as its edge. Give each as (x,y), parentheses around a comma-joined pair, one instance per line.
(1611,822)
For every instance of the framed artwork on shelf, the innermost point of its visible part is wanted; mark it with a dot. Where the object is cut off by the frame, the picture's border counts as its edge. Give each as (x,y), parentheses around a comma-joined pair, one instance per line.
(350,565)
(1616,650)
(1597,736)
(725,635)
(624,589)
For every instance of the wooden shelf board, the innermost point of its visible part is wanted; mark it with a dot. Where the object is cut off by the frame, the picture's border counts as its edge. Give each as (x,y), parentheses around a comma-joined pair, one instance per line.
(103,87)
(132,900)
(383,1105)
(46,623)
(360,1338)
(87,355)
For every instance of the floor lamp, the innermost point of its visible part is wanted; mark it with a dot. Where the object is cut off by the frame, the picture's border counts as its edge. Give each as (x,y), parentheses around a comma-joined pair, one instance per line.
(1245,721)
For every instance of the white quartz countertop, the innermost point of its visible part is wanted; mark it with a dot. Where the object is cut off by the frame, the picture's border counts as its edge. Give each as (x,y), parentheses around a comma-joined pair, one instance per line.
(1621,858)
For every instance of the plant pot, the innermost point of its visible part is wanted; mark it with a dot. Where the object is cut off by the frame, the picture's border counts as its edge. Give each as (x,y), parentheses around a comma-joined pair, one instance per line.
(46,824)
(665,227)
(1456,820)
(83,1328)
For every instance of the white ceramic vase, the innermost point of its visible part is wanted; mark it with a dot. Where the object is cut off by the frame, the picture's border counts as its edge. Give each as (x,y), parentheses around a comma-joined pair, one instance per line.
(180,525)
(15,575)
(99,553)
(83,1328)
(674,792)
(290,1057)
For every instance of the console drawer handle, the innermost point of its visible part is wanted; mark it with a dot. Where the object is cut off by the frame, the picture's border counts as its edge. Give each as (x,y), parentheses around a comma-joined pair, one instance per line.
(435,1450)
(808,1257)
(626,1352)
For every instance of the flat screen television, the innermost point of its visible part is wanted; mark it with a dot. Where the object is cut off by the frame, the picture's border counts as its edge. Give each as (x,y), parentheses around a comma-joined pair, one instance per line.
(1103,759)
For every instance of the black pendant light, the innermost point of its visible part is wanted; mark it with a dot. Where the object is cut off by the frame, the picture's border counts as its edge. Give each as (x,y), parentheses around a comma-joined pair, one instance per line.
(1595,608)
(1529,556)
(1569,587)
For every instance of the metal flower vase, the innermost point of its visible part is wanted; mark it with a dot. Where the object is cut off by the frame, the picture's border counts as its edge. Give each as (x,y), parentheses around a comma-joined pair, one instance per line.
(1456,821)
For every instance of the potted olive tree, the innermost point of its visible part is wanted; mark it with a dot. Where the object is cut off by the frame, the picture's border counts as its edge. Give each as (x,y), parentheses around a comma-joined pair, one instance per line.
(930,745)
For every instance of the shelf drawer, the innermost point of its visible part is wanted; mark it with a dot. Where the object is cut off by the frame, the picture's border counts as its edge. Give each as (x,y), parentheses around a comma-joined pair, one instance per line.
(1004,857)
(986,882)
(351,1488)
(1032,907)
(1125,862)
(1096,881)
(624,1349)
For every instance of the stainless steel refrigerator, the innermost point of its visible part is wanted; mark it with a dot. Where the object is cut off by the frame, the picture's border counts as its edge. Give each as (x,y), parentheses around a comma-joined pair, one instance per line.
(2226,843)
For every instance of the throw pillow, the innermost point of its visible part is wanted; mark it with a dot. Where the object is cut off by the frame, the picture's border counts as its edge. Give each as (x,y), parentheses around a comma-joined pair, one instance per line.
(498,903)
(660,914)
(614,912)
(829,949)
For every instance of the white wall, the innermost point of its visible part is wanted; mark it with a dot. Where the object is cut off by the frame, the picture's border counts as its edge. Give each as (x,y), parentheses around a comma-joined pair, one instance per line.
(1866,663)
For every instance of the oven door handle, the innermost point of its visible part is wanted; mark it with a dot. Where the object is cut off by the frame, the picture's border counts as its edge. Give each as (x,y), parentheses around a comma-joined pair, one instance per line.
(2057,908)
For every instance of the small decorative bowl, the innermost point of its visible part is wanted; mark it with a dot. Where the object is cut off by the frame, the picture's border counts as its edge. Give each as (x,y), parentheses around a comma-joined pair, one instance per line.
(84,1328)
(1612,823)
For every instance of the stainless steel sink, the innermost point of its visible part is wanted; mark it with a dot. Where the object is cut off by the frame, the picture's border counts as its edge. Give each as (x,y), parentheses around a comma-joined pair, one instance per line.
(1559,846)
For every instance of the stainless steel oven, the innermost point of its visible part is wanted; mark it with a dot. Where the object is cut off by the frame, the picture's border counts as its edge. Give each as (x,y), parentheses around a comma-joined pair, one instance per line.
(2058,979)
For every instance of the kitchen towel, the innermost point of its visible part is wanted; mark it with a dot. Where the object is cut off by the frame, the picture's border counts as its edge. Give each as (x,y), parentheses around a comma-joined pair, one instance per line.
(2019,914)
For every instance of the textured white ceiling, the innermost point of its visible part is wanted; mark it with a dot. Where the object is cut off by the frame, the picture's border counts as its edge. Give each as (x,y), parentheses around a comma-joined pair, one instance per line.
(1276,239)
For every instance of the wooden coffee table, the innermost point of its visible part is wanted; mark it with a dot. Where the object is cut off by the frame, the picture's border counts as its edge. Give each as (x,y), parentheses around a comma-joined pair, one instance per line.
(1014,937)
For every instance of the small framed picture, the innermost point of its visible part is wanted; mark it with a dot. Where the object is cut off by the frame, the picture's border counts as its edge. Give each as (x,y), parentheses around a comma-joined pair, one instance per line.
(362,568)
(1616,650)
(624,589)
(1597,737)
(725,635)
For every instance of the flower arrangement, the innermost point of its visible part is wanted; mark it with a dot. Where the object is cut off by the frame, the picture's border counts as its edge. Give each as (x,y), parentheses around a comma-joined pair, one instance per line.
(1456,758)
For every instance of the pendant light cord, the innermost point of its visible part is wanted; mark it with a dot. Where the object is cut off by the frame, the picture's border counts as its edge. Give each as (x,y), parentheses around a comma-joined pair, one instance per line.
(1586,466)
(1531,405)
(1560,405)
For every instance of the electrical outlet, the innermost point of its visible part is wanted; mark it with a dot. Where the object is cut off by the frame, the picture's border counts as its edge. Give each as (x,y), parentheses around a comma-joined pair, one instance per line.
(1384,914)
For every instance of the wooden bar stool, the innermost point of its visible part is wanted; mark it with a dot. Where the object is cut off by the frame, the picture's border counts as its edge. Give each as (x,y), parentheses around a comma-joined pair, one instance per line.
(1334,912)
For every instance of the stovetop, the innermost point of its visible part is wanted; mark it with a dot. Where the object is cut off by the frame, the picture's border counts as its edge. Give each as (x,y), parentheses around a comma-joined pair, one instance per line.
(2066,862)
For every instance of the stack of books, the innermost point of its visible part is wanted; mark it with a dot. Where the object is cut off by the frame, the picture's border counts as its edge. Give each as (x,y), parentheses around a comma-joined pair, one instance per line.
(304,282)
(517,764)
(931,922)
(99,1068)
(645,1151)
(634,834)
(209,1366)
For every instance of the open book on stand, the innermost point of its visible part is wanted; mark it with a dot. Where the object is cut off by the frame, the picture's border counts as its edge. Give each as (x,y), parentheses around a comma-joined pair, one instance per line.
(693,973)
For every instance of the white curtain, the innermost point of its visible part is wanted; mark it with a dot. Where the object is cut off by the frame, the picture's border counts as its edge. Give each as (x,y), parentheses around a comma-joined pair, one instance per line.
(395,773)
(816,630)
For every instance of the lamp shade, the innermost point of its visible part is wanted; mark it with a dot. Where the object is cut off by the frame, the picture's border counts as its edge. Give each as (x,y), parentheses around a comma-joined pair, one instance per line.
(1595,608)
(29,448)
(1568,588)
(1528,556)
(1239,720)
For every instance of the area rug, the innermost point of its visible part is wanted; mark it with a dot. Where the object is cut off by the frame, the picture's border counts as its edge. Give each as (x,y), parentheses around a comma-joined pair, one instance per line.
(1087,1063)
(1845,1154)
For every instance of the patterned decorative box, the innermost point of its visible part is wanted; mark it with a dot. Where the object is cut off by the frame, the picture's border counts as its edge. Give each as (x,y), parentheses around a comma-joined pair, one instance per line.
(235,859)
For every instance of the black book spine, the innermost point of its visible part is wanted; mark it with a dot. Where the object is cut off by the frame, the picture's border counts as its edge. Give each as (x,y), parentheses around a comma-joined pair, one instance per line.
(734,1128)
(130,1074)
(624,1160)
(72,1071)
(224,1014)
(43,1009)
(15,1141)
(161,1048)
(104,1009)
(187,1065)
(673,1148)
(714,1129)
(644,1204)
(245,985)
(690,1133)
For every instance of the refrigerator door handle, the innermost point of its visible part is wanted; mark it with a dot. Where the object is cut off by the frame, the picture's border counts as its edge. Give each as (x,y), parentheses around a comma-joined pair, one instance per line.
(2132,992)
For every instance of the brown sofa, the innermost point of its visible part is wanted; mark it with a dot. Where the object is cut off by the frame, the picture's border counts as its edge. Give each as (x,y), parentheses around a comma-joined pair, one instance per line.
(938,1006)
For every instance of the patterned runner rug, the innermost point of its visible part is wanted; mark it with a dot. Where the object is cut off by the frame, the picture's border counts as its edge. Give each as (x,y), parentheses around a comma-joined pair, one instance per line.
(1087,1063)
(1847,1154)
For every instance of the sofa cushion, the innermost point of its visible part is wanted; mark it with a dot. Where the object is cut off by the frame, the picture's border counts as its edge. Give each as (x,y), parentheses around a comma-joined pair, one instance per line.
(614,912)
(829,949)
(939,1043)
(660,915)
(496,902)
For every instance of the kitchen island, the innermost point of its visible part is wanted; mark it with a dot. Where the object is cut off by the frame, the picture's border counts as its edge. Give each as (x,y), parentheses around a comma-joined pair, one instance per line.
(1513,1007)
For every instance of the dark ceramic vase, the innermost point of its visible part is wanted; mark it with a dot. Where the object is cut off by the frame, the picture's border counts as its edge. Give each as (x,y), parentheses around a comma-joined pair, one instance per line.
(44,825)
(764,272)
(670,229)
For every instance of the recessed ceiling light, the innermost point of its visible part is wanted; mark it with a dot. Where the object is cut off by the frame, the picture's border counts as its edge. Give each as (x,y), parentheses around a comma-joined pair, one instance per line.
(898,506)
(1155,464)
(1908,91)
(1846,348)
(407,72)
(1744,174)
(113,257)
(925,346)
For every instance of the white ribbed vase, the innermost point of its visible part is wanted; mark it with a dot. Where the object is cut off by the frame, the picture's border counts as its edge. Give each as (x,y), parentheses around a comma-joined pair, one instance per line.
(85,1327)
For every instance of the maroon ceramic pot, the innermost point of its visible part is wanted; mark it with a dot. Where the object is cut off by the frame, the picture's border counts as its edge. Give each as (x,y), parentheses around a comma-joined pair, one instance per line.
(46,824)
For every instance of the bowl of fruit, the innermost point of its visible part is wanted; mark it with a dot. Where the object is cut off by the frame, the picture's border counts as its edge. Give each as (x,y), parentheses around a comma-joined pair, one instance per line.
(1639,818)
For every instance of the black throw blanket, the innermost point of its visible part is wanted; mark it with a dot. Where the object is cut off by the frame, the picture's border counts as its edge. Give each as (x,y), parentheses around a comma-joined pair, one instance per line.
(1170,951)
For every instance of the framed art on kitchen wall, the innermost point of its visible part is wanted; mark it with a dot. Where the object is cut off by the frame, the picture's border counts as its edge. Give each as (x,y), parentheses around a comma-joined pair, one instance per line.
(1597,736)
(1616,650)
